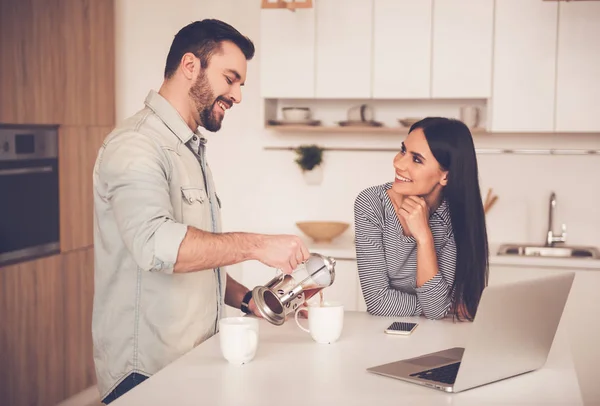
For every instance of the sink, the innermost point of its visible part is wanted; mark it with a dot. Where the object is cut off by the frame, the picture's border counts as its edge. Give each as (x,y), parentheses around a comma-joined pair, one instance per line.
(559,251)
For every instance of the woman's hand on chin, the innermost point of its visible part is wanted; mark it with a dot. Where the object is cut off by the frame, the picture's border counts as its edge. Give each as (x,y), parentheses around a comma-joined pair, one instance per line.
(415,212)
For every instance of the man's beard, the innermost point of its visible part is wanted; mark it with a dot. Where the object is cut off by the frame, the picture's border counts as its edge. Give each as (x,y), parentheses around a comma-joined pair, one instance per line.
(204,100)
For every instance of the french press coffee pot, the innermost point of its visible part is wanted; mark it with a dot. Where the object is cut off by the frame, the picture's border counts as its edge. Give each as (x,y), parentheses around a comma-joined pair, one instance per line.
(283,294)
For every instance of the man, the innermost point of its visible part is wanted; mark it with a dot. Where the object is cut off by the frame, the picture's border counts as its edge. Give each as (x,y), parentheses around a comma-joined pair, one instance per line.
(160,282)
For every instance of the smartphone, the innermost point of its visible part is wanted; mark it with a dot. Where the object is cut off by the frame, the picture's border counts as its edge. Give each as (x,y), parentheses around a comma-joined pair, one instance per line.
(401,327)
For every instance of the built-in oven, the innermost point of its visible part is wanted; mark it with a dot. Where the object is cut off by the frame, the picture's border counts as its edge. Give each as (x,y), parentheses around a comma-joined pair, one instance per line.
(29,202)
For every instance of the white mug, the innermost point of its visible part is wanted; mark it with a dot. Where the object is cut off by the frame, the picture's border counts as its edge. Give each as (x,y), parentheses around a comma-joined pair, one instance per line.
(239,339)
(470,116)
(325,322)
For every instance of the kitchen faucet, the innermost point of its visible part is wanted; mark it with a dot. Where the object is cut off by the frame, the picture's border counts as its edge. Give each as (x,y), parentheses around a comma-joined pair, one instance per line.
(552,239)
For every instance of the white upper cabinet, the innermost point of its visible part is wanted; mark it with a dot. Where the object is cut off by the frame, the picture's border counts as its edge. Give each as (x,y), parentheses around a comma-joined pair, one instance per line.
(343,48)
(578,67)
(524,66)
(462,49)
(402,49)
(287,53)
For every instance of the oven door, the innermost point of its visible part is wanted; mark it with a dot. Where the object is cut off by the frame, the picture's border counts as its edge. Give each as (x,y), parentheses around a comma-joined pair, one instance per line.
(29,209)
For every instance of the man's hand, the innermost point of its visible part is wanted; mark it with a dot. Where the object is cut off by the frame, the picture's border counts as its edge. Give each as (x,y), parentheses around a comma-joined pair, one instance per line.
(253,308)
(283,252)
(415,212)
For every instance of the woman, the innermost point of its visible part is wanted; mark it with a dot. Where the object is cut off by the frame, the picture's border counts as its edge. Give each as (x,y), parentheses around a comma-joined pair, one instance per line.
(421,241)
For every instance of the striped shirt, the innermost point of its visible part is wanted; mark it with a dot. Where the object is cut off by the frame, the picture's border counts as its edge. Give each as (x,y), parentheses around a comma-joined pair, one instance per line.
(387,259)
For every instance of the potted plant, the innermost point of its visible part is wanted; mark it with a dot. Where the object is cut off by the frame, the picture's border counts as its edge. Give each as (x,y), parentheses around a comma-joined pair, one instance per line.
(309,159)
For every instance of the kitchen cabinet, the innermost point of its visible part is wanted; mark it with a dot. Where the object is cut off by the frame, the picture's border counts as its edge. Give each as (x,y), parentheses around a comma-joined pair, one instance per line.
(580,318)
(57,63)
(287,53)
(461,65)
(524,66)
(402,49)
(578,67)
(88,43)
(343,48)
(31,60)
(78,148)
(56,58)
(46,336)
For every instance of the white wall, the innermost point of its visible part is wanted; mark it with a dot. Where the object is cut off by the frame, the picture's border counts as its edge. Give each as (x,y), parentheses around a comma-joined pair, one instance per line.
(264,190)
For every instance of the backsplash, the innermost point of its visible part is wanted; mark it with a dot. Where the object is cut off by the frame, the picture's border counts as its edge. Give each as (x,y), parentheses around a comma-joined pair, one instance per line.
(264,190)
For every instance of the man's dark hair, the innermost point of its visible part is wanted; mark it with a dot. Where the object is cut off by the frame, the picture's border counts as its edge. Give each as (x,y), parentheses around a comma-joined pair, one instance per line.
(203,39)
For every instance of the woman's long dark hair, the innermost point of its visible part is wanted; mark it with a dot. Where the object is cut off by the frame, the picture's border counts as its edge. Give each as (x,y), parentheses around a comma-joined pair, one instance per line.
(451,143)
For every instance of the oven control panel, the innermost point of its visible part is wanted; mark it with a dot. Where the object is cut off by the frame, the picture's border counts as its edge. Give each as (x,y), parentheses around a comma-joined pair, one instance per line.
(22,142)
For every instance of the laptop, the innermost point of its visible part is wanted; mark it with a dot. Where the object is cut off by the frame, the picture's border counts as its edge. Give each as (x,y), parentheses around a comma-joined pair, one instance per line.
(512,334)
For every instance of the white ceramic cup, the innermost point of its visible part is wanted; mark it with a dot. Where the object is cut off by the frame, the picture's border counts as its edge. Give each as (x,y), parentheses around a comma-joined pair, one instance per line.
(325,323)
(239,339)
(470,116)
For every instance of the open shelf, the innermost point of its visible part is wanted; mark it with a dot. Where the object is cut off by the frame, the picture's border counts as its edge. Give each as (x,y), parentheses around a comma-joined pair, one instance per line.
(348,129)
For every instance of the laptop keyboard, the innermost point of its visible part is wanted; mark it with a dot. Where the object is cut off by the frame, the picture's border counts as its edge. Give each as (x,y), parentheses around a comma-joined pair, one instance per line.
(445,374)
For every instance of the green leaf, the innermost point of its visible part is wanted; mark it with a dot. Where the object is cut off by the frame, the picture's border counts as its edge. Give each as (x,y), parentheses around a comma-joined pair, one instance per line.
(309,156)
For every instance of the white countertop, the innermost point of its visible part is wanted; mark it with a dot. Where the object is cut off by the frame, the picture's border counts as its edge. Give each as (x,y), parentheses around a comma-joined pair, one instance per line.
(291,369)
(344,249)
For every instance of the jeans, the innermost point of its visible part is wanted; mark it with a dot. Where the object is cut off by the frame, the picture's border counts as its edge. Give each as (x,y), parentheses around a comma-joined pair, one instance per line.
(125,386)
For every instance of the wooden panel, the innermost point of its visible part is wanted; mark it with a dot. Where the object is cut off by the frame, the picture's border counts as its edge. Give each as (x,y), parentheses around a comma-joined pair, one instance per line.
(56,67)
(78,148)
(9,61)
(31,61)
(78,64)
(89,70)
(33,333)
(78,274)
(45,334)
(102,70)
(57,62)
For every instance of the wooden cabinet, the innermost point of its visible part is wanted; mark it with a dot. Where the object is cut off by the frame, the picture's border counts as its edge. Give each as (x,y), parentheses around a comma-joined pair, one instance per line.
(524,64)
(287,53)
(31,61)
(78,148)
(78,285)
(402,49)
(56,57)
(45,339)
(343,48)
(461,65)
(88,78)
(578,67)
(56,67)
